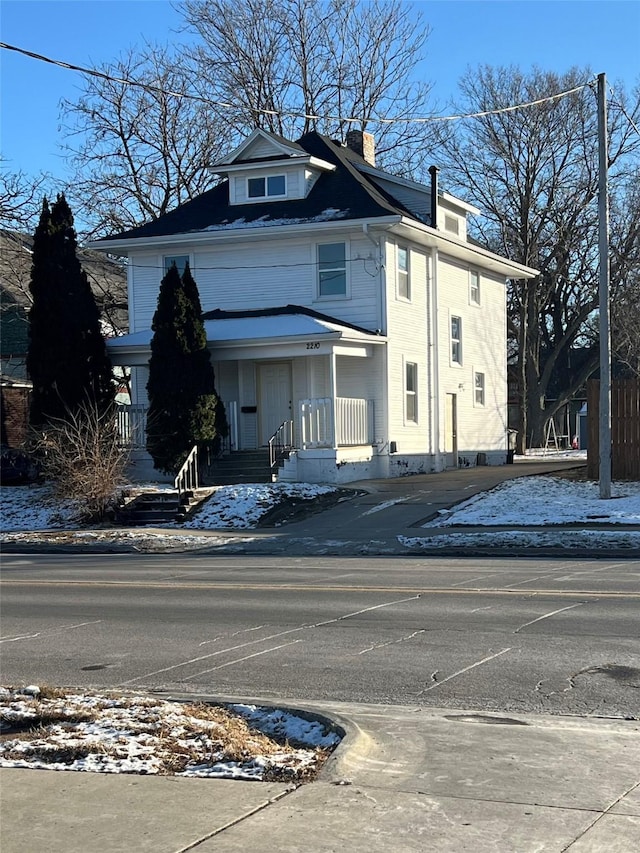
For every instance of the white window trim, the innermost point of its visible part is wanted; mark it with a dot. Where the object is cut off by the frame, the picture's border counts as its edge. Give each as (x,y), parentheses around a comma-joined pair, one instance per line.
(318,297)
(401,296)
(266,196)
(483,373)
(477,303)
(164,255)
(405,392)
(460,340)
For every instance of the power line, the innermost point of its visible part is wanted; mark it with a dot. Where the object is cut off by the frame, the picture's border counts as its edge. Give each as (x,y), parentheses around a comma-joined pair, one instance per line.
(149,87)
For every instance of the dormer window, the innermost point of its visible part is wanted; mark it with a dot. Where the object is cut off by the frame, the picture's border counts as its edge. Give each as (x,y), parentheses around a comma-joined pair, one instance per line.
(270,186)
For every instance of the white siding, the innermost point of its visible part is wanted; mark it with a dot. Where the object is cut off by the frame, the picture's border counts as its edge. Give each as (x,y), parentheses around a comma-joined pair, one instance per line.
(407,330)
(261,274)
(483,350)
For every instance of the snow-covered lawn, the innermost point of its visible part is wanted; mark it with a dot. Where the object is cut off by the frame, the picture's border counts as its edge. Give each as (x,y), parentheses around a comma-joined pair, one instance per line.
(542,501)
(109,733)
(238,507)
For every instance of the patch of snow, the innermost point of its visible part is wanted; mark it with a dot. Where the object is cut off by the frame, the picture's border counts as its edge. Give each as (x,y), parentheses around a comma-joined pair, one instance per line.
(36,508)
(141,734)
(329,213)
(542,501)
(604,540)
(242,506)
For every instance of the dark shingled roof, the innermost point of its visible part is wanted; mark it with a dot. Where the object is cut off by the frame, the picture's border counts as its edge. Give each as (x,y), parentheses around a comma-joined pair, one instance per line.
(348,192)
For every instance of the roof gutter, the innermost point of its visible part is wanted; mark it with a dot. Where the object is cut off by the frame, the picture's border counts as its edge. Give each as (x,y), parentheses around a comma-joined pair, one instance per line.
(235,234)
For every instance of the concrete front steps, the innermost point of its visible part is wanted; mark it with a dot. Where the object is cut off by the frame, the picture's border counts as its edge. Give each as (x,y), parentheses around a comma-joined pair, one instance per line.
(240,466)
(159,507)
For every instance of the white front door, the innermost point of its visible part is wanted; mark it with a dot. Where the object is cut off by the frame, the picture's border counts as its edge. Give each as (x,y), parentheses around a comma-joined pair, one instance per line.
(274,384)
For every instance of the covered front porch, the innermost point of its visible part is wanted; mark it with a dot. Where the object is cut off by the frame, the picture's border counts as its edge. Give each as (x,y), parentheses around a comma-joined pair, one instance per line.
(310,400)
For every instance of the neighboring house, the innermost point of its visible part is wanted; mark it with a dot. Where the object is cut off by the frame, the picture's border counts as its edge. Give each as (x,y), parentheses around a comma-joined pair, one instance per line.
(108,282)
(339,298)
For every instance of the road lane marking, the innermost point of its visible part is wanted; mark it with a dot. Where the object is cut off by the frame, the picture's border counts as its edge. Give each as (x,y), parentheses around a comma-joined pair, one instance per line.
(270,637)
(462,671)
(548,615)
(46,631)
(275,587)
(241,660)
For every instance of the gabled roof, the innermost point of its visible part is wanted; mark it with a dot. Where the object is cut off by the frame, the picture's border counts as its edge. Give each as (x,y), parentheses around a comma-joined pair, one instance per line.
(344,193)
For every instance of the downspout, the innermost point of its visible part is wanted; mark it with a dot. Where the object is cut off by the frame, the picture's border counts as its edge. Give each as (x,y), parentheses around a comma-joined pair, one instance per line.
(433,171)
(381,418)
(436,357)
(429,318)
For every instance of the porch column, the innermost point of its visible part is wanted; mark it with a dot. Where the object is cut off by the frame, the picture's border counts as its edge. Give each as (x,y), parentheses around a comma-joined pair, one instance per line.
(333,390)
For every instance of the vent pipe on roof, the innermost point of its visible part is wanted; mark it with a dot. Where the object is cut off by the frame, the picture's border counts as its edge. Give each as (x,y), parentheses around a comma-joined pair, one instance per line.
(363,144)
(433,171)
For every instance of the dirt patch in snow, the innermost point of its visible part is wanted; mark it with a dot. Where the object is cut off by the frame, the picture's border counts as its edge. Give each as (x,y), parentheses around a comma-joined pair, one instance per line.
(293,508)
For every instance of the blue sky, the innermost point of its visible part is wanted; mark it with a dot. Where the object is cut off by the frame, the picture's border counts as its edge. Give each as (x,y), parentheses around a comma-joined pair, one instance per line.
(553,34)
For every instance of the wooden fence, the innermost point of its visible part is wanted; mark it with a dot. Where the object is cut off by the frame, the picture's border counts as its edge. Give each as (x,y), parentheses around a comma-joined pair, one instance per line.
(625,429)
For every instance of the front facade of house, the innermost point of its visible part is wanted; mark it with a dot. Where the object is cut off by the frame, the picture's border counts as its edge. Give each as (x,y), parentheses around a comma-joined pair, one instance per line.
(332,306)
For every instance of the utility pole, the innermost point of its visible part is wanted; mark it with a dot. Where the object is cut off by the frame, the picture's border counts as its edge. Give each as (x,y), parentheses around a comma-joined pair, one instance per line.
(603,293)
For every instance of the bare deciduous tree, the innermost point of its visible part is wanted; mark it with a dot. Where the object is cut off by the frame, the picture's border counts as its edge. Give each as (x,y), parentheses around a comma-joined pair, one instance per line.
(20,198)
(338,58)
(140,152)
(534,173)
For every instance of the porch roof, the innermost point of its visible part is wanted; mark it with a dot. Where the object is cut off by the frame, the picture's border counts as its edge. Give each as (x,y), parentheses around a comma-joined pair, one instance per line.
(254,327)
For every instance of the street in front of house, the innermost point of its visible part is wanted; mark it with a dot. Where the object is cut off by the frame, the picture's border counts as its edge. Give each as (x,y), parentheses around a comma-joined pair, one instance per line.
(438,668)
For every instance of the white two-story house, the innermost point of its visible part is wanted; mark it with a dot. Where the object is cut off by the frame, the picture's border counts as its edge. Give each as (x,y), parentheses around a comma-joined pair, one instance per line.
(346,310)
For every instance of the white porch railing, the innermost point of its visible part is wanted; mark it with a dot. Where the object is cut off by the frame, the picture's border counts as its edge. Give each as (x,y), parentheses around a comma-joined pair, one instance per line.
(353,422)
(132,425)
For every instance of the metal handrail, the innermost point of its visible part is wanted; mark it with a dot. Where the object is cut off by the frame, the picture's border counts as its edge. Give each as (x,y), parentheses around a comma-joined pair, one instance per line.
(280,443)
(187,478)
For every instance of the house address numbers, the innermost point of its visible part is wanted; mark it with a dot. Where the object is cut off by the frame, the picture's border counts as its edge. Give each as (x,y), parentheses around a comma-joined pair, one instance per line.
(313,344)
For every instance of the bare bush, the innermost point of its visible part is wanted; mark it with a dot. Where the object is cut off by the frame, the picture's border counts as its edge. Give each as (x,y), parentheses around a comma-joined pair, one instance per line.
(83,458)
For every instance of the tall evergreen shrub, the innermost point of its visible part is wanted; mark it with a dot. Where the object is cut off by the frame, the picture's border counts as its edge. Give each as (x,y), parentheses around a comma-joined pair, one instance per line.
(67,358)
(184,408)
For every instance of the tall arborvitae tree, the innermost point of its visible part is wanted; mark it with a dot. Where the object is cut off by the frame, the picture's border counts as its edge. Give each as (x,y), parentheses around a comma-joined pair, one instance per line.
(67,358)
(184,408)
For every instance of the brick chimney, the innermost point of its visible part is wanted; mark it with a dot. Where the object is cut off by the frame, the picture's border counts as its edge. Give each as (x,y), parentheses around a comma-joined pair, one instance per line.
(363,144)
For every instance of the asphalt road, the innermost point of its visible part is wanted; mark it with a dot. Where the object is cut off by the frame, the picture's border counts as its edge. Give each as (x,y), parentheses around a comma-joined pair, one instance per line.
(546,636)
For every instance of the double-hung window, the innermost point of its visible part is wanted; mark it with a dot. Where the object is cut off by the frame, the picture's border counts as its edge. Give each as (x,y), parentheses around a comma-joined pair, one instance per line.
(332,269)
(478,388)
(456,340)
(404,284)
(411,392)
(474,287)
(180,261)
(271,186)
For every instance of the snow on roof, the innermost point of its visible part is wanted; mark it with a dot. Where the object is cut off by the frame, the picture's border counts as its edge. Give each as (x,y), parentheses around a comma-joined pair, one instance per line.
(256,328)
(328,214)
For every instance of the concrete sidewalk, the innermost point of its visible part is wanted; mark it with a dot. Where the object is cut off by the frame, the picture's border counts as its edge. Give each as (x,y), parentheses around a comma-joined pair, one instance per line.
(404,779)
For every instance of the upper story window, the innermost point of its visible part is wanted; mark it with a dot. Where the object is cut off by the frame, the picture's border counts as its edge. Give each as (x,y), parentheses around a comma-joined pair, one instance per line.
(474,287)
(456,340)
(270,186)
(179,260)
(404,284)
(332,269)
